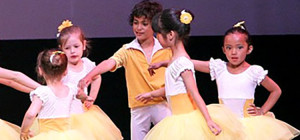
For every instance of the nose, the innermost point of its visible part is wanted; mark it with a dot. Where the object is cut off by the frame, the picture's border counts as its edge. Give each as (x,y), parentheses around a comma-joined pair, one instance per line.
(139,26)
(233,51)
(72,50)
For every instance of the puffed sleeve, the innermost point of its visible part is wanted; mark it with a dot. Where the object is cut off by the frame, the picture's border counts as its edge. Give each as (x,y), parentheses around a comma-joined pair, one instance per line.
(216,67)
(180,65)
(120,57)
(258,73)
(41,92)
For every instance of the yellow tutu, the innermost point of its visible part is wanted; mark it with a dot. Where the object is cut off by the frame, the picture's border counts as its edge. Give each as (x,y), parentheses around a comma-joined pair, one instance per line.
(9,131)
(95,123)
(264,127)
(65,135)
(188,123)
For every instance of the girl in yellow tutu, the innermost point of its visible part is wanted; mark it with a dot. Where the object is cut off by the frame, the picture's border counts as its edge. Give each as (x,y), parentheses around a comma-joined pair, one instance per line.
(21,82)
(52,102)
(237,80)
(190,119)
(88,117)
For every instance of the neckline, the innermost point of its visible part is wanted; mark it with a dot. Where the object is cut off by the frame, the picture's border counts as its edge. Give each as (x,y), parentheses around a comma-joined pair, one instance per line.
(236,74)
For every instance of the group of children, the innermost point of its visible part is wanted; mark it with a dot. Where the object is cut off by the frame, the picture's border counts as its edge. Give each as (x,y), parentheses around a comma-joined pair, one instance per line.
(161,87)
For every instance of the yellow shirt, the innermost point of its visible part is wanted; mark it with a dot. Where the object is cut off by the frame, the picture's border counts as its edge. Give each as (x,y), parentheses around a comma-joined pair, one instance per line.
(138,79)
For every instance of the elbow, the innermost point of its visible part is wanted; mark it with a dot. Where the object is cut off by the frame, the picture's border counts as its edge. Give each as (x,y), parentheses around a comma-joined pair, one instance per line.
(30,115)
(16,75)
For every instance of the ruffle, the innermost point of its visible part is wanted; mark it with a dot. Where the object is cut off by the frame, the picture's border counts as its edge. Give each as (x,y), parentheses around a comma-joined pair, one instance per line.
(257,73)
(42,92)
(180,65)
(216,66)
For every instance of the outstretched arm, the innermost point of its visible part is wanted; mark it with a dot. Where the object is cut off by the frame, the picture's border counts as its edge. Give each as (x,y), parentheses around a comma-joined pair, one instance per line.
(15,85)
(101,68)
(275,93)
(95,87)
(192,88)
(19,78)
(202,66)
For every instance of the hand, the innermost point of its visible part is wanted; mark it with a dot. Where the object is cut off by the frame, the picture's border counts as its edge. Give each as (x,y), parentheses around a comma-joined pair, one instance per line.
(144,97)
(26,135)
(89,101)
(254,111)
(214,128)
(81,95)
(152,67)
(83,83)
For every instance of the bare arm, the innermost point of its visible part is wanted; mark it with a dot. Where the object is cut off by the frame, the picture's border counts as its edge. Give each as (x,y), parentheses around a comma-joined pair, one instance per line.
(202,66)
(101,68)
(146,97)
(29,117)
(95,87)
(15,85)
(275,93)
(18,77)
(192,88)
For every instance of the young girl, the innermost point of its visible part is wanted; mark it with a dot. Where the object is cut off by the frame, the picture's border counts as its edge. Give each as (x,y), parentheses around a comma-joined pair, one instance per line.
(135,57)
(91,118)
(190,119)
(51,103)
(236,82)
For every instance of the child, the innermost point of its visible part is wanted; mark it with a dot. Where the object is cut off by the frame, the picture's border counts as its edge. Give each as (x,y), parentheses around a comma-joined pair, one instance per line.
(93,120)
(21,82)
(190,119)
(135,57)
(236,82)
(51,102)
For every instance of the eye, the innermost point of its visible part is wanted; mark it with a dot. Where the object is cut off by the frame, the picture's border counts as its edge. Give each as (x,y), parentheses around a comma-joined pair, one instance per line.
(240,47)
(228,47)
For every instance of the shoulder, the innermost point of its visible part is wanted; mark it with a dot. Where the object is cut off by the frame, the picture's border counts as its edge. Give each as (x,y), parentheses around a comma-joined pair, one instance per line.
(181,64)
(88,62)
(42,92)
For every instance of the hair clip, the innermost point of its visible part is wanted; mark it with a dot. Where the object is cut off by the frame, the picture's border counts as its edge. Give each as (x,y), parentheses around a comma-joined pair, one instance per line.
(64,24)
(185,17)
(55,53)
(240,25)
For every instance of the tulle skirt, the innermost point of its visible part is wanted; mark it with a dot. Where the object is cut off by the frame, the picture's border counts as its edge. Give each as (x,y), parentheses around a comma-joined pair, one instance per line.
(9,131)
(265,127)
(95,123)
(188,123)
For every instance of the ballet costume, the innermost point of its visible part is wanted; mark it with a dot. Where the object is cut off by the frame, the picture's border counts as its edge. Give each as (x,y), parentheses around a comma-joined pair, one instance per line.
(236,91)
(54,116)
(9,131)
(91,121)
(186,121)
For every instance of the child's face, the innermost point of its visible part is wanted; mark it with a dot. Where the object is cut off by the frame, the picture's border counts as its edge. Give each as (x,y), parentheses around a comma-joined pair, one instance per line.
(74,48)
(142,28)
(236,48)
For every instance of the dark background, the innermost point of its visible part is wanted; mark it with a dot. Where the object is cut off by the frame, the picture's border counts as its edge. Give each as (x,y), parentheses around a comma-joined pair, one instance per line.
(277,53)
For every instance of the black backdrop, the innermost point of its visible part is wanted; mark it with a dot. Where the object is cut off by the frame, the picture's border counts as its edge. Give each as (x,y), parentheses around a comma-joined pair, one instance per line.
(276,53)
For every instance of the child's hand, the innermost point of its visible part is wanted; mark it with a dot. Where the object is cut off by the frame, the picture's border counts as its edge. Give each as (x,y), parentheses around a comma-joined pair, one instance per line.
(254,111)
(26,135)
(152,67)
(214,128)
(81,95)
(144,97)
(83,83)
(89,102)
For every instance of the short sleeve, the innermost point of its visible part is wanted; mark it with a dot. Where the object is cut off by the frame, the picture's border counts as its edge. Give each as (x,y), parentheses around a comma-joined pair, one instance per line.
(258,73)
(41,92)
(216,67)
(180,65)
(119,57)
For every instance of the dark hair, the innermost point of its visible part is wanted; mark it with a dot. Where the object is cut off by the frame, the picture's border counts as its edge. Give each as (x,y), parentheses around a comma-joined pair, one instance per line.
(65,34)
(239,29)
(145,8)
(169,20)
(53,63)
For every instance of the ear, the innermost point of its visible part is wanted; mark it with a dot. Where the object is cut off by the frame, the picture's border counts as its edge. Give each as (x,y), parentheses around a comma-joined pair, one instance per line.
(223,49)
(40,71)
(170,36)
(250,49)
